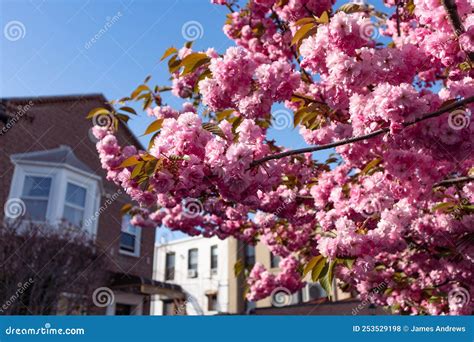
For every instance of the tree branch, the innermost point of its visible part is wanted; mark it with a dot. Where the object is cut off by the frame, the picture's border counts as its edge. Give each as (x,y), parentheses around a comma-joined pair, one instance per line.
(452,181)
(453,17)
(440,111)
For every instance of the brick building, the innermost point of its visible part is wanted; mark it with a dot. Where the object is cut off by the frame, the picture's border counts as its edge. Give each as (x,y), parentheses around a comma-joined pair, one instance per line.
(49,162)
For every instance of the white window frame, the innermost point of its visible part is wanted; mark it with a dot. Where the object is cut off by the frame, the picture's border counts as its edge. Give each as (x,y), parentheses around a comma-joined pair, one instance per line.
(138,237)
(49,195)
(74,206)
(61,174)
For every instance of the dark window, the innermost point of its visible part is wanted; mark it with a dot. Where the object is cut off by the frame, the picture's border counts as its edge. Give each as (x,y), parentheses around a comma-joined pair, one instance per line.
(212,302)
(213,257)
(169,269)
(192,263)
(129,237)
(127,242)
(274,260)
(123,309)
(249,255)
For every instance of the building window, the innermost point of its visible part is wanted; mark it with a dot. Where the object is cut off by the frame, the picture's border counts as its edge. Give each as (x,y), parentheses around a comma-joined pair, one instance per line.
(214,259)
(74,205)
(212,302)
(35,195)
(123,309)
(274,260)
(169,268)
(193,263)
(129,238)
(249,256)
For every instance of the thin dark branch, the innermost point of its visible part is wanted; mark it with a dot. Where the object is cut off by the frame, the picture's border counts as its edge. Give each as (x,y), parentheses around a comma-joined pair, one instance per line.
(453,181)
(453,17)
(440,111)
(399,33)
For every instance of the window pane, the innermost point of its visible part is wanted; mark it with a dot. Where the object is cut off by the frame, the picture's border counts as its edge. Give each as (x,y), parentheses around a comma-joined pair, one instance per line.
(73,215)
(192,259)
(76,195)
(127,242)
(169,269)
(213,257)
(36,209)
(36,186)
(274,260)
(249,255)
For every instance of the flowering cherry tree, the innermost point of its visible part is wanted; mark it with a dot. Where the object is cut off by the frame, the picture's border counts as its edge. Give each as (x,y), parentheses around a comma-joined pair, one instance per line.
(392,209)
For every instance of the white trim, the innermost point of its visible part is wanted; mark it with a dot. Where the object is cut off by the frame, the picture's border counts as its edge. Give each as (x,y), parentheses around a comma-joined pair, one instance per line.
(60,175)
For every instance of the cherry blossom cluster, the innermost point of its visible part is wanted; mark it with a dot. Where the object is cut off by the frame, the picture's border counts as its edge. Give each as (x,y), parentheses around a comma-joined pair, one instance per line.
(379,202)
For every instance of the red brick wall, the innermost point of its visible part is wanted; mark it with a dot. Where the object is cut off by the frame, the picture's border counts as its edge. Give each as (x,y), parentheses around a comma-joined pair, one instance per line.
(54,121)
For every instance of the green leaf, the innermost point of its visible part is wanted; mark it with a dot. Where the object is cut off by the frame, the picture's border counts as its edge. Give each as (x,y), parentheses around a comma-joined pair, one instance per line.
(370,165)
(98,111)
(317,269)
(327,277)
(193,61)
(350,8)
(130,161)
(224,114)
(239,267)
(128,110)
(170,51)
(154,126)
(304,32)
(138,90)
(137,170)
(311,264)
(213,128)
(174,64)
(304,21)
(348,262)
(324,18)
(442,207)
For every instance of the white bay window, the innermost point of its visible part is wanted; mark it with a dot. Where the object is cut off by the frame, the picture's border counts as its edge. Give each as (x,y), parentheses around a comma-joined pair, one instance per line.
(56,187)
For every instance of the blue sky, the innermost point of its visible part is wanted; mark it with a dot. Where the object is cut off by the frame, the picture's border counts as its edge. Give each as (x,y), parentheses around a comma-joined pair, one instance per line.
(54,54)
